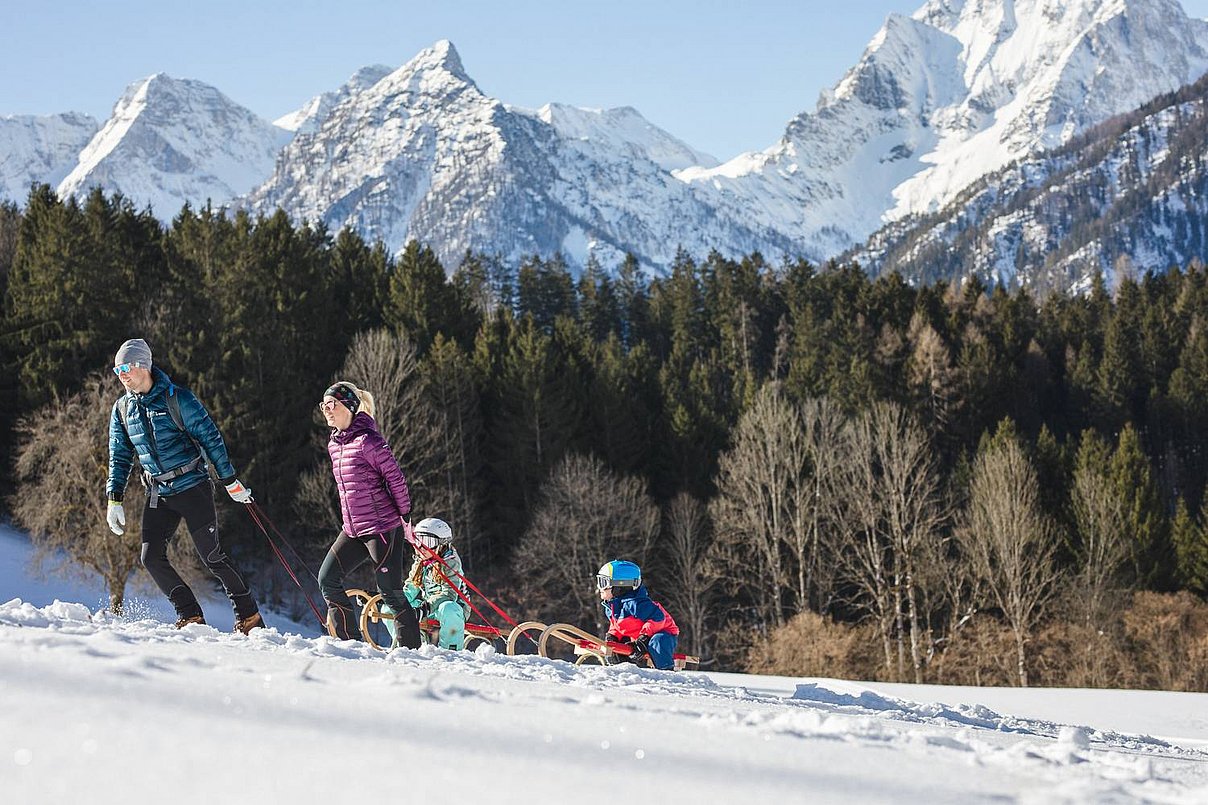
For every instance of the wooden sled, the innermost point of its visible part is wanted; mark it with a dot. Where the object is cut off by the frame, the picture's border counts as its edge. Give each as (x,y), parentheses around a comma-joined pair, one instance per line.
(376,634)
(587,648)
(550,640)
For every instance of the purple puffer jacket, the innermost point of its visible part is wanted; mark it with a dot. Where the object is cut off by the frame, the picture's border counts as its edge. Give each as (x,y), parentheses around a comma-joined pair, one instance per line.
(373,491)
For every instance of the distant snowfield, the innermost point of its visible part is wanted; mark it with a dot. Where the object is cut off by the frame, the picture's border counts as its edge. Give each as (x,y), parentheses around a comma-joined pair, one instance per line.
(99,709)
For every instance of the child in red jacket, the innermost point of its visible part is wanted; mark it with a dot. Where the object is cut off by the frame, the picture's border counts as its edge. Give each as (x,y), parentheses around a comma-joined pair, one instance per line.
(633,618)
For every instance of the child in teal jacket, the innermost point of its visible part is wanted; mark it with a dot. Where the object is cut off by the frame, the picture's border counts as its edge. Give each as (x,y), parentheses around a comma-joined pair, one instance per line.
(435,584)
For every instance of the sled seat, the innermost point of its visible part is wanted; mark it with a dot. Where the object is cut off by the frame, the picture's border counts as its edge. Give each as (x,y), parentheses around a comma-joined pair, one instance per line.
(487,633)
(592,647)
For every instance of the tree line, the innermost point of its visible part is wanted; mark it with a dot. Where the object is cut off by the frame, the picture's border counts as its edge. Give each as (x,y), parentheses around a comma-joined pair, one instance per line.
(795,454)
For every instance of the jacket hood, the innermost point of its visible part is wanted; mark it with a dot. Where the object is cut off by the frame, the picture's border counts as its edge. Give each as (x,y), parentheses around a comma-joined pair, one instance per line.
(160,383)
(612,606)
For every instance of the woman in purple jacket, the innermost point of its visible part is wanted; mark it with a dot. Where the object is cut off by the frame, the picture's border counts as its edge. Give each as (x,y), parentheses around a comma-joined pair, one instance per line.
(373,502)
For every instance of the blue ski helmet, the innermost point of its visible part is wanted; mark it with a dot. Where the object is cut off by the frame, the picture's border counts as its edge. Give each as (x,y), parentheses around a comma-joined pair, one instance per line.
(619,573)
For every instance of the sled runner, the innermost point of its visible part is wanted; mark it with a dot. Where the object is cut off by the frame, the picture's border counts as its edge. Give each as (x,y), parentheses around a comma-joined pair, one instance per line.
(588,648)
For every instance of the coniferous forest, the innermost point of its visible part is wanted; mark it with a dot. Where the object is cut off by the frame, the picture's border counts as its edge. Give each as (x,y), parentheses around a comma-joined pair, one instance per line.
(819,472)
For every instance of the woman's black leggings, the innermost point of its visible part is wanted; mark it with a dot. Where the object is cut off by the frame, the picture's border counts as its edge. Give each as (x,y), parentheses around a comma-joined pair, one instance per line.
(346,554)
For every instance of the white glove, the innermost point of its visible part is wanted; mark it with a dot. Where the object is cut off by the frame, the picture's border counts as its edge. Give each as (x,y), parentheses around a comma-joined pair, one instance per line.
(116,517)
(238,492)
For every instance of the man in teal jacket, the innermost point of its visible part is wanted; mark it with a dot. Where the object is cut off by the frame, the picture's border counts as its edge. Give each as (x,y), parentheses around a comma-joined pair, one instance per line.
(173,437)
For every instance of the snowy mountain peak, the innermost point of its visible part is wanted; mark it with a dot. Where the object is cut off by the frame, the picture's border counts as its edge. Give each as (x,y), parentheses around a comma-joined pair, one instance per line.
(908,66)
(441,58)
(938,99)
(945,96)
(424,154)
(626,129)
(311,115)
(37,149)
(172,140)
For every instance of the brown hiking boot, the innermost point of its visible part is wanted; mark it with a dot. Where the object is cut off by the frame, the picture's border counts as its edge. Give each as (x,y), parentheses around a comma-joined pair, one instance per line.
(183,622)
(245,625)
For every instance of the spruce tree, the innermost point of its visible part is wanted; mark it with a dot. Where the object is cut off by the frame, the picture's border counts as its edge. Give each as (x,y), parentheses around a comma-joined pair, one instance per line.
(1121,392)
(420,300)
(620,419)
(74,293)
(1191,549)
(451,385)
(633,297)
(359,281)
(532,401)
(599,307)
(197,248)
(1132,479)
(10,225)
(545,290)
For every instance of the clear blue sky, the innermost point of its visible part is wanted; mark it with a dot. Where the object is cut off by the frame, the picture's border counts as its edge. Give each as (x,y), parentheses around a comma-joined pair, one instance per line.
(722,79)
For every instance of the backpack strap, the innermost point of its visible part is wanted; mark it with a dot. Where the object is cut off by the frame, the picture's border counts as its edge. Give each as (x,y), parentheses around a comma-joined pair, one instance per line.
(179,420)
(125,403)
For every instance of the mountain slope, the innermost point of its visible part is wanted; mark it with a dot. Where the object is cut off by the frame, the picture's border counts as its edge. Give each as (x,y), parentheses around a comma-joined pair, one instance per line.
(1129,194)
(173,141)
(40,149)
(311,115)
(956,91)
(424,154)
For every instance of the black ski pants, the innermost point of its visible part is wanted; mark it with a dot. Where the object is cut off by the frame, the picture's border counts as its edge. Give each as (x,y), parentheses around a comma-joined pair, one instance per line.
(196,507)
(388,553)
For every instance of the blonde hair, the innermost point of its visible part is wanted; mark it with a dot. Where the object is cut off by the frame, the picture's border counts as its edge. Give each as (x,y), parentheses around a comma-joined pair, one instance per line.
(366,399)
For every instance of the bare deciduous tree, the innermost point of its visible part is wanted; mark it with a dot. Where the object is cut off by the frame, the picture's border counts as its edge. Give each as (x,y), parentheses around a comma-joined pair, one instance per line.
(814,546)
(1010,541)
(893,511)
(585,516)
(1102,551)
(693,569)
(763,494)
(385,364)
(62,459)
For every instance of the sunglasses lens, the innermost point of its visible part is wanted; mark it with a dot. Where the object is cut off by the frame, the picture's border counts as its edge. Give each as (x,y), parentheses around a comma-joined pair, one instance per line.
(121,369)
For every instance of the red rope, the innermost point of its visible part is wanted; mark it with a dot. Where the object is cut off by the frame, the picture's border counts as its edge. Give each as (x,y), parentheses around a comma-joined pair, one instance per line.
(254,510)
(456,589)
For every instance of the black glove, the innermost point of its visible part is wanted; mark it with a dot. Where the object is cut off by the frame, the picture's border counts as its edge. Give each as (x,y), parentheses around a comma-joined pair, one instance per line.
(639,647)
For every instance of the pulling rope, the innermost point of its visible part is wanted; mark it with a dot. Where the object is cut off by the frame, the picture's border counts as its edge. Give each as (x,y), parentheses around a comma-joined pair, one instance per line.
(257,511)
(256,514)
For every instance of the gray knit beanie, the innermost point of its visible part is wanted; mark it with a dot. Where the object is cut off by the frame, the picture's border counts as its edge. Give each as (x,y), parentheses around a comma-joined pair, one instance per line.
(135,349)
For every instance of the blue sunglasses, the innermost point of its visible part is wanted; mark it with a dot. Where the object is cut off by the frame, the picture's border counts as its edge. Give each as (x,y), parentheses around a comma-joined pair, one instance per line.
(123,368)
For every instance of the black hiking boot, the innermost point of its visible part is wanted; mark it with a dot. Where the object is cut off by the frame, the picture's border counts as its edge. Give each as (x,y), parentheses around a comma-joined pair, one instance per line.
(341,622)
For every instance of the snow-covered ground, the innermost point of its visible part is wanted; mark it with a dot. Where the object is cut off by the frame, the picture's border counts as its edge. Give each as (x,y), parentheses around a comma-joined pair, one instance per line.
(99,709)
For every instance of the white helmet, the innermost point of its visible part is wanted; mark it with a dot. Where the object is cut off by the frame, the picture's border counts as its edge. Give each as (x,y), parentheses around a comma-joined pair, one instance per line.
(432,533)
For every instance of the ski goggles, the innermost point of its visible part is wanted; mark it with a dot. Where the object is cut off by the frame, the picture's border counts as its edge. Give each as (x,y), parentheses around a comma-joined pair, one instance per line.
(430,541)
(608,582)
(124,368)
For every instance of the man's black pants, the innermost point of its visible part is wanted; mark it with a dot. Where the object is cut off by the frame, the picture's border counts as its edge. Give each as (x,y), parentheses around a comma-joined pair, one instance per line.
(196,507)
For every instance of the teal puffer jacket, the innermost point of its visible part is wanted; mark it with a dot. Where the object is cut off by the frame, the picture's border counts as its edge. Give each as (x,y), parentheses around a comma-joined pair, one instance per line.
(430,581)
(140,425)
